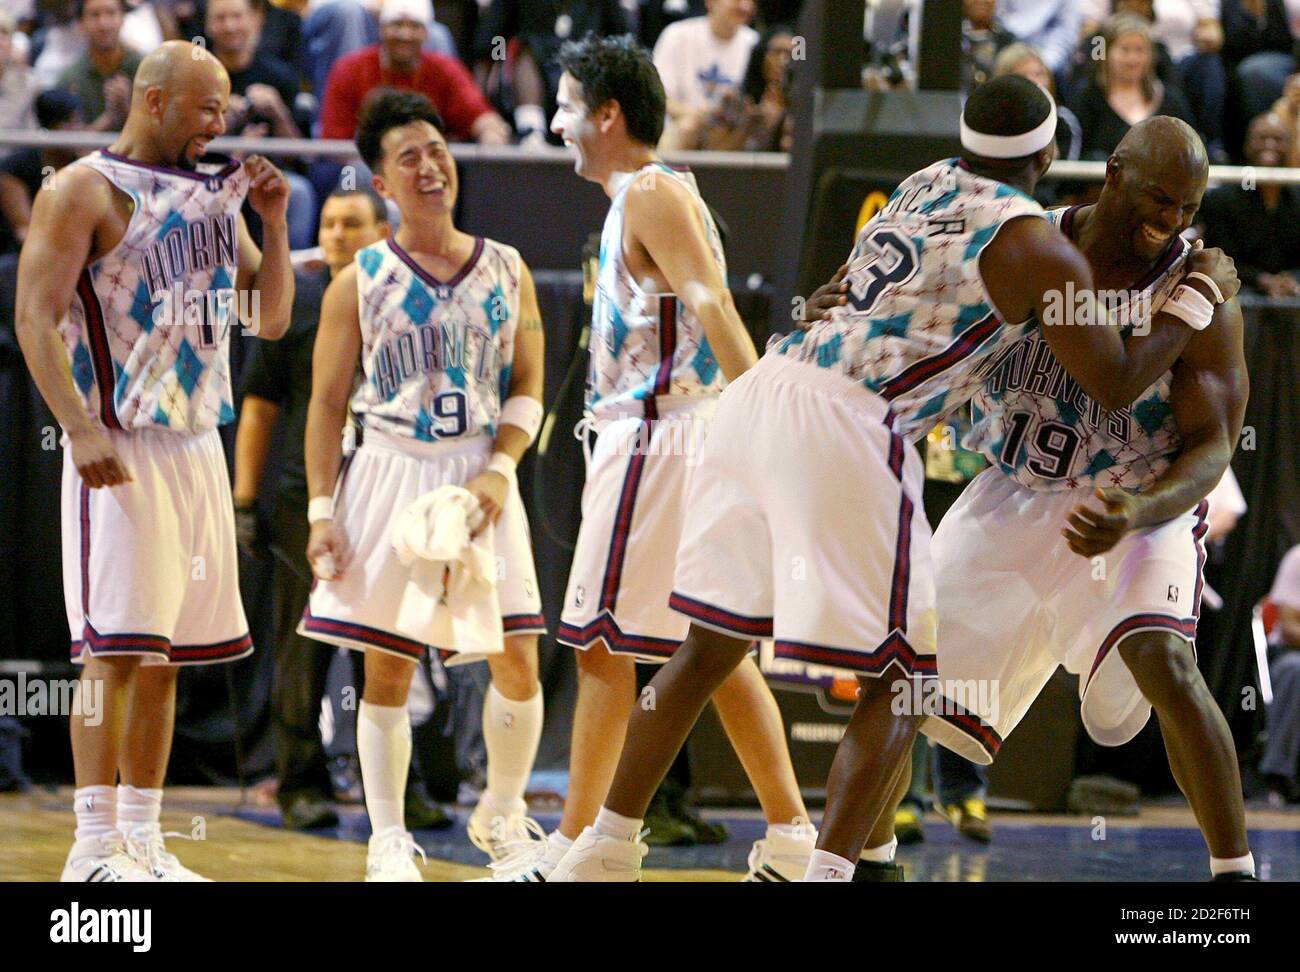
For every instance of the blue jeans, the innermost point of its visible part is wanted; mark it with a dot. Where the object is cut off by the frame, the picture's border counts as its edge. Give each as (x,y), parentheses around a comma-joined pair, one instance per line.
(302,212)
(1282,751)
(956,778)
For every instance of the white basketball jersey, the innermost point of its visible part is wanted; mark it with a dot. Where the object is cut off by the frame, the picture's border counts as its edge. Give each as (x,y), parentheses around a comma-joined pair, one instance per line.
(436,355)
(148,335)
(1034,422)
(646,345)
(919,322)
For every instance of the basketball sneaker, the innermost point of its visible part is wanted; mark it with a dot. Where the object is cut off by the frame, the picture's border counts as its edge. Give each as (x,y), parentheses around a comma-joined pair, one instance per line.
(970,817)
(595,857)
(526,860)
(145,845)
(781,857)
(908,825)
(390,856)
(104,858)
(496,833)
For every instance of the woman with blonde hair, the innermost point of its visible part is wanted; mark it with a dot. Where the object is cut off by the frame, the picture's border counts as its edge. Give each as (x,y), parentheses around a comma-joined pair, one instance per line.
(1124,89)
(1024,60)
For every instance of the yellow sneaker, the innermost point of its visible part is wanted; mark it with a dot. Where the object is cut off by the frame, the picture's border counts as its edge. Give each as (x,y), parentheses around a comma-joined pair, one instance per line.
(908,827)
(971,818)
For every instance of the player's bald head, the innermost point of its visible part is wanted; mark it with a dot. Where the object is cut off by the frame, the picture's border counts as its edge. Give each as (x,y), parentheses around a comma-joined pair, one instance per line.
(1163,149)
(181,67)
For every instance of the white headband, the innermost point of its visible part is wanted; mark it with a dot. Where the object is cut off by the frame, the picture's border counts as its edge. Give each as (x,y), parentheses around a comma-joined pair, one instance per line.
(1009,146)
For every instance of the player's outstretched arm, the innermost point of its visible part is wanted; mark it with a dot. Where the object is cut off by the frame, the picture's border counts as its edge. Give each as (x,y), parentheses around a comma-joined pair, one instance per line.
(662,216)
(522,411)
(1208,398)
(333,365)
(1031,268)
(58,247)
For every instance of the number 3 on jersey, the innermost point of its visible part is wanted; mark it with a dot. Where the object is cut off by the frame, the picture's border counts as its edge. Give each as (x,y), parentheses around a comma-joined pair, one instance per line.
(886,256)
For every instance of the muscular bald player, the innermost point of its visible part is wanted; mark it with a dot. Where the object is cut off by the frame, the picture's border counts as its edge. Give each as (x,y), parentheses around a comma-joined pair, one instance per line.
(126,289)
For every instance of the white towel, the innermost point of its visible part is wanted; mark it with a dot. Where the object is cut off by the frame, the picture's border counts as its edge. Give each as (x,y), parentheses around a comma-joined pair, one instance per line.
(450,600)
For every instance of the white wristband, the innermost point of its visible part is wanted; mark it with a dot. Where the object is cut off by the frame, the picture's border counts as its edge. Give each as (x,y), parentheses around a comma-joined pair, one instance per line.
(320,508)
(523,412)
(503,464)
(1191,307)
(1209,282)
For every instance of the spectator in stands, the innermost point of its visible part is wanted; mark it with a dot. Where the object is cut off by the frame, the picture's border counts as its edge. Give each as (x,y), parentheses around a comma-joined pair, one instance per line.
(279,34)
(654,16)
(1050,26)
(333,28)
(1287,108)
(1192,34)
(1124,89)
(1258,51)
(699,60)
(1280,763)
(18,85)
(398,61)
(262,88)
(23,172)
(755,118)
(101,78)
(1259,226)
(1023,60)
(983,37)
(534,31)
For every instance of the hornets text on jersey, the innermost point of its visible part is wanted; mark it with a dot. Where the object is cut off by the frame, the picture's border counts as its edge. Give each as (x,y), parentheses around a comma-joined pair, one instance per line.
(919,321)
(1034,422)
(148,333)
(436,355)
(646,345)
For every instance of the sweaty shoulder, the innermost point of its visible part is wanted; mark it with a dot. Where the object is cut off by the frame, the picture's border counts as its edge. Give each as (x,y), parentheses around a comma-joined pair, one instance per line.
(1027,256)
(653,192)
(90,189)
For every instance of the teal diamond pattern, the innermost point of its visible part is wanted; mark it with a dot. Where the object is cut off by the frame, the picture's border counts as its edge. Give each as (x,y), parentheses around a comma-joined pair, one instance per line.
(418,303)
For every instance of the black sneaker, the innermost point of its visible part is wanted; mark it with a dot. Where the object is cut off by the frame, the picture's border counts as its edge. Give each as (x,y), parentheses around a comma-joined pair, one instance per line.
(872,871)
(422,813)
(666,828)
(308,811)
(705,831)
(1235,876)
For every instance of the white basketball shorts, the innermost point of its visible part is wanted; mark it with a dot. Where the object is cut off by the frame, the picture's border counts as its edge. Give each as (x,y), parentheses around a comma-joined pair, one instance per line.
(804,524)
(1015,602)
(150,567)
(632,507)
(384,476)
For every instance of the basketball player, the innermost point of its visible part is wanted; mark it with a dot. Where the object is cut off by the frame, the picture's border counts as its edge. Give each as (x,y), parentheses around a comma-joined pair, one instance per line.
(1116,600)
(808,462)
(449,337)
(126,288)
(665,340)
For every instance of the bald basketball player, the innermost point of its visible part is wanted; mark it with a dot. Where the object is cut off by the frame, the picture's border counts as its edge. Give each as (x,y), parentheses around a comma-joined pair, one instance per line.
(134,266)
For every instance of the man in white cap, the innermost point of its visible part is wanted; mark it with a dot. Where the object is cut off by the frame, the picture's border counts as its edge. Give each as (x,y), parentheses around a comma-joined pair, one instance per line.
(955,271)
(399,61)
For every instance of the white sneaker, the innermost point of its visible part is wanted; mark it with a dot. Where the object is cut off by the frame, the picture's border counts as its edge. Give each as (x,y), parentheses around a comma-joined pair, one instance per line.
(497,834)
(595,857)
(146,847)
(526,860)
(390,856)
(780,857)
(104,858)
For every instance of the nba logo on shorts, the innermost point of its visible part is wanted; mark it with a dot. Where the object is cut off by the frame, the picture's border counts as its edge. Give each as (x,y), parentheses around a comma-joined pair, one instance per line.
(578,595)
(1173,594)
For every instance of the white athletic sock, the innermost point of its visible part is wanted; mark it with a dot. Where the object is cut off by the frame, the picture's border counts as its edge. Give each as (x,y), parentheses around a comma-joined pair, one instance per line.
(1232,865)
(884,854)
(558,841)
(384,748)
(511,731)
(96,810)
(793,831)
(138,809)
(825,866)
(611,824)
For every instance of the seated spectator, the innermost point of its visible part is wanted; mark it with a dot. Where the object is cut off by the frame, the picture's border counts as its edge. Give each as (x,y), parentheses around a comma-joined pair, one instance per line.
(756,118)
(333,28)
(23,172)
(1279,763)
(536,29)
(699,60)
(279,35)
(101,78)
(398,61)
(1258,51)
(1049,26)
(1192,35)
(18,85)
(58,43)
(983,37)
(654,16)
(1124,89)
(1259,227)
(1287,108)
(262,88)
(1023,60)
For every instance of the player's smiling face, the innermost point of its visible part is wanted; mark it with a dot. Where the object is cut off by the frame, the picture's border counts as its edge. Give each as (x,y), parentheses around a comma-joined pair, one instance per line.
(573,123)
(1160,206)
(417,170)
(194,114)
